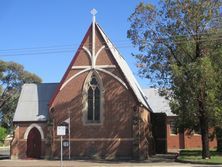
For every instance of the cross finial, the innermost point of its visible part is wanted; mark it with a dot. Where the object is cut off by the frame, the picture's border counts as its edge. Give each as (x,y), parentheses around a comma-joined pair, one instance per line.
(93,12)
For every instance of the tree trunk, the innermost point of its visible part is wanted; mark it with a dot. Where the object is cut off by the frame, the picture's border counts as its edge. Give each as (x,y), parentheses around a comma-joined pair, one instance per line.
(204,131)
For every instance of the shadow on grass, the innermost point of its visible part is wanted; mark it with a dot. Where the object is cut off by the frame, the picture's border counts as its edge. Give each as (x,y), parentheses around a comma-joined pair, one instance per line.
(197,153)
(195,157)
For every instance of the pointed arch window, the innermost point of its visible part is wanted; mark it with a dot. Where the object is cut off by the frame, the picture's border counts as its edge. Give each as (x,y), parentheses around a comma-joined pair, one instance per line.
(94,100)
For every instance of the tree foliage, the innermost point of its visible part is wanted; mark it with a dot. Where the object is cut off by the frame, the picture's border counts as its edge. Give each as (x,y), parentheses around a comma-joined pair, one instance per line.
(3,134)
(180,49)
(12,77)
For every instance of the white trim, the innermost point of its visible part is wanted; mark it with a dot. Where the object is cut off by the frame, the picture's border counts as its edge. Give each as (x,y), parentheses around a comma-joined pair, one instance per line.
(97,54)
(105,66)
(90,68)
(93,41)
(114,76)
(34,125)
(80,67)
(97,66)
(72,77)
(88,52)
(93,12)
(131,80)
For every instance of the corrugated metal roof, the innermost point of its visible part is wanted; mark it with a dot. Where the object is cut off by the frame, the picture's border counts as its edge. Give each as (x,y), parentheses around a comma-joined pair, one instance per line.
(126,70)
(159,104)
(33,102)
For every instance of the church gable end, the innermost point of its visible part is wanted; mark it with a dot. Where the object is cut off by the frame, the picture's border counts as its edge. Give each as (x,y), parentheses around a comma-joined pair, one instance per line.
(100,100)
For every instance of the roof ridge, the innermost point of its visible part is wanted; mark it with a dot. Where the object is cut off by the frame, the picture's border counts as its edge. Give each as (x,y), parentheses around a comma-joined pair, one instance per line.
(127,72)
(110,41)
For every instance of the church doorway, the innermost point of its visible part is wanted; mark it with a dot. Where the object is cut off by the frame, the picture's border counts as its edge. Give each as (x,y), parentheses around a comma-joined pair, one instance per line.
(34,144)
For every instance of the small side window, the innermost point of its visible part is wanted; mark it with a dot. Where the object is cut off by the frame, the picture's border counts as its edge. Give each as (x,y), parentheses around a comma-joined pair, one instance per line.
(173,128)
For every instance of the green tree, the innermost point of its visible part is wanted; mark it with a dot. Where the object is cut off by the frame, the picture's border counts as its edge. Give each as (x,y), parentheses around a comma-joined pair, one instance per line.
(3,134)
(179,44)
(12,77)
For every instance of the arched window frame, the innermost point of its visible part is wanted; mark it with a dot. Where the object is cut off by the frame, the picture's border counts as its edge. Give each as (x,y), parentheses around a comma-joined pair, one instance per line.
(34,125)
(85,99)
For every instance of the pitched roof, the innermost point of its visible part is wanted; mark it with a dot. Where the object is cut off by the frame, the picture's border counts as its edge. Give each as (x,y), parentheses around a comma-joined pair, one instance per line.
(33,102)
(159,104)
(128,75)
(126,70)
(69,68)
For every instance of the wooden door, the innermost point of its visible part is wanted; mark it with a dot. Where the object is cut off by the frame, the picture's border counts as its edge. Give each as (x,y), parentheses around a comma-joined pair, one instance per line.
(159,132)
(34,144)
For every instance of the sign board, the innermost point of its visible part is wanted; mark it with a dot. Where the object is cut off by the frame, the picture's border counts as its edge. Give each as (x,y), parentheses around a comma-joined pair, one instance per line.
(61,130)
(65,143)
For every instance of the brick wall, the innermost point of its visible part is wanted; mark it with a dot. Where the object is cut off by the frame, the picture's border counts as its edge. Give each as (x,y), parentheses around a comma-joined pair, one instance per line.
(19,143)
(186,140)
(113,136)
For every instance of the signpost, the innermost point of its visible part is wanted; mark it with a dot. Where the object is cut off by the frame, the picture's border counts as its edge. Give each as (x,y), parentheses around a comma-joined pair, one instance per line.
(61,131)
(67,121)
(65,143)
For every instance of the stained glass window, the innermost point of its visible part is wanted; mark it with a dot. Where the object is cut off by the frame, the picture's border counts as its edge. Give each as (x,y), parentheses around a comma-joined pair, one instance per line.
(90,104)
(93,100)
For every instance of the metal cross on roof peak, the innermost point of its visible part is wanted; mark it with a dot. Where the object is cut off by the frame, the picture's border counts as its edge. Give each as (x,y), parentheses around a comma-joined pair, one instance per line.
(93,11)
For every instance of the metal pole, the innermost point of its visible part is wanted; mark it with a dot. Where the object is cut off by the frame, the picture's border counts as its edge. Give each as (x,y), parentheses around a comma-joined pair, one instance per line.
(69,137)
(69,134)
(61,163)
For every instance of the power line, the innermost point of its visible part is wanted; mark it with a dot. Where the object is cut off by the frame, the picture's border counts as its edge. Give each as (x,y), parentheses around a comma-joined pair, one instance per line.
(53,52)
(33,48)
(58,46)
(37,53)
(46,50)
(115,41)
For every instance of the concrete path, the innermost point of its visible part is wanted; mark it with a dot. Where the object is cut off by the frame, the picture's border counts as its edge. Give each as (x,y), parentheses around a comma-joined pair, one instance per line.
(95,163)
(86,163)
(166,160)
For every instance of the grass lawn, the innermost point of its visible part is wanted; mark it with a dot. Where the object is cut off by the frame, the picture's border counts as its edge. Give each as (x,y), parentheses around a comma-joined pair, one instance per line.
(195,157)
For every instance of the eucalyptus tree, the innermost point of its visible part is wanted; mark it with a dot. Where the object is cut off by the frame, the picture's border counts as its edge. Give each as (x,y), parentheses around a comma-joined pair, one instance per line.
(179,44)
(12,77)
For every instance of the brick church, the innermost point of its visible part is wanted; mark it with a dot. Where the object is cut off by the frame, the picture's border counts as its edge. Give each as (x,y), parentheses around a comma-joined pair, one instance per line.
(98,96)
(102,105)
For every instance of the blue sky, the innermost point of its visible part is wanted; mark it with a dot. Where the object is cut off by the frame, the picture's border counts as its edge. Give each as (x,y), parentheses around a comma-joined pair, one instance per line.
(43,35)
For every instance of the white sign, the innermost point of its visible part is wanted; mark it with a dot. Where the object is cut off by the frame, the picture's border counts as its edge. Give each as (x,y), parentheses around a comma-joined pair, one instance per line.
(61,130)
(65,143)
